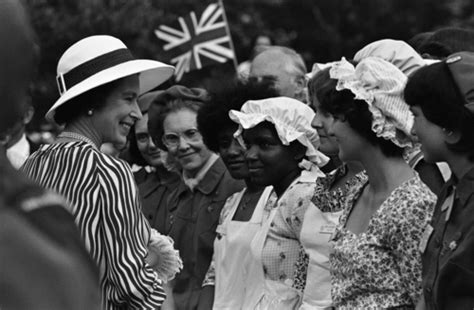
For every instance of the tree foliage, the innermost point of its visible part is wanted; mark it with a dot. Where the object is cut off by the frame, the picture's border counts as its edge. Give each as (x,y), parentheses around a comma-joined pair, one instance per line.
(320,30)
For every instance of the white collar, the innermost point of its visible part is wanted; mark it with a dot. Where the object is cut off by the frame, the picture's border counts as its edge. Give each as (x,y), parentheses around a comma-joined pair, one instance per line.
(19,152)
(193,182)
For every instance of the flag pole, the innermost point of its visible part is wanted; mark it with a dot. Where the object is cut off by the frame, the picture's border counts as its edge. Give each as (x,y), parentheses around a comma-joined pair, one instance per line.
(221,3)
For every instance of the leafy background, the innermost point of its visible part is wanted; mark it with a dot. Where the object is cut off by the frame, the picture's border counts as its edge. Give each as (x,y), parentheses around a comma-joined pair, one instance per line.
(320,30)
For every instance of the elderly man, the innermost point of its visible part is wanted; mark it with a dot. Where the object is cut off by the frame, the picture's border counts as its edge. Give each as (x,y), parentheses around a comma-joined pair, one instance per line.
(286,66)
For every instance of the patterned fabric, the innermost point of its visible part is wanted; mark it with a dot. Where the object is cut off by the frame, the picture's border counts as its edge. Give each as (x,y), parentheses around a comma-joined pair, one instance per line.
(381,268)
(327,201)
(282,246)
(106,207)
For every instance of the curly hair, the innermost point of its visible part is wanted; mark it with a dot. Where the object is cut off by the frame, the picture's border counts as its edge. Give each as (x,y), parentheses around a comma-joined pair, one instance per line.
(434,90)
(213,117)
(342,105)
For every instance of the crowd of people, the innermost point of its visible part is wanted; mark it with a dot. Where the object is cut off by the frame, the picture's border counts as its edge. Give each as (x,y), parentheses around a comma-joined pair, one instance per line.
(346,187)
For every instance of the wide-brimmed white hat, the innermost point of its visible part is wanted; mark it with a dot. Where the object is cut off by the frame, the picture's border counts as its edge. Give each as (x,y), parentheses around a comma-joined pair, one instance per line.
(98,60)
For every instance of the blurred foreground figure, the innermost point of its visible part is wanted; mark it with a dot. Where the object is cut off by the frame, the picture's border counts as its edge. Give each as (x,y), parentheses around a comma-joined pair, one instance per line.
(44,264)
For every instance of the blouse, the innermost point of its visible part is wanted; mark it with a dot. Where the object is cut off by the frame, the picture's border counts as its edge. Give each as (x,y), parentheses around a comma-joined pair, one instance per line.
(282,245)
(106,207)
(381,267)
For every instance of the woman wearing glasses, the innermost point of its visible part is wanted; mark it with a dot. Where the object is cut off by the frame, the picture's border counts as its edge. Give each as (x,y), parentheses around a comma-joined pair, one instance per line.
(196,203)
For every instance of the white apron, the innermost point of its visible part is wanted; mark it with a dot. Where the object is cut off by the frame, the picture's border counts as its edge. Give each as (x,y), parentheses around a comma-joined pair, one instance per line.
(315,235)
(266,294)
(231,254)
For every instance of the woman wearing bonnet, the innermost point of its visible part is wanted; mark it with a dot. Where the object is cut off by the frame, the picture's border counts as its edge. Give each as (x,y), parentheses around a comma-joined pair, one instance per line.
(376,263)
(281,152)
(99,82)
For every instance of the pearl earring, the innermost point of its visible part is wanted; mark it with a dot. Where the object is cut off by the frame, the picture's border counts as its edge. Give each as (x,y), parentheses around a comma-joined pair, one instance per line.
(90,112)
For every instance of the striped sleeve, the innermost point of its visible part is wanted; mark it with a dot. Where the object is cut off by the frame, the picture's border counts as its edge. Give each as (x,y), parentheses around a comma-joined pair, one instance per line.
(124,231)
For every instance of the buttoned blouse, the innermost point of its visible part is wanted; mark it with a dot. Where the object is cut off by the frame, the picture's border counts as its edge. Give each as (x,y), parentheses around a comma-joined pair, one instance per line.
(282,245)
(448,254)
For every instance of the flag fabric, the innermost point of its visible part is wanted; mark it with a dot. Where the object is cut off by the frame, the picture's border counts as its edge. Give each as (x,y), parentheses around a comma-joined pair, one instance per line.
(197,42)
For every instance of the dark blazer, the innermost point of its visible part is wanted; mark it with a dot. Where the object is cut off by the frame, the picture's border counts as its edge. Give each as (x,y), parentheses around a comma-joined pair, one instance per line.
(154,189)
(194,229)
(448,260)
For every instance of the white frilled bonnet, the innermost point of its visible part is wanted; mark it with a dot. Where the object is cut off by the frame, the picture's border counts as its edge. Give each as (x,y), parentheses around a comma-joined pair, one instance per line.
(381,85)
(292,120)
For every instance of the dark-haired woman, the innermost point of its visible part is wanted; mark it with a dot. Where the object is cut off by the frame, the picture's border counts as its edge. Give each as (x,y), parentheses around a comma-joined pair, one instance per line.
(99,82)
(440,97)
(376,263)
(281,152)
(243,212)
(198,199)
(330,192)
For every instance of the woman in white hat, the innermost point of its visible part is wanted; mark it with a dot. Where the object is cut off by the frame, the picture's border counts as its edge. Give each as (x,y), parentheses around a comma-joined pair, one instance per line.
(376,262)
(99,82)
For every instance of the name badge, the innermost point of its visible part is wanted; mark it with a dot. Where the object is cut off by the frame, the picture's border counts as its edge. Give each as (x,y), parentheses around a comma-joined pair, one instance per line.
(328,229)
(425,238)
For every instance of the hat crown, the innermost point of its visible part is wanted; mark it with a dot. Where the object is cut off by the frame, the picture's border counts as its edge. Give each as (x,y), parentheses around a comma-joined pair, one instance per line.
(87,49)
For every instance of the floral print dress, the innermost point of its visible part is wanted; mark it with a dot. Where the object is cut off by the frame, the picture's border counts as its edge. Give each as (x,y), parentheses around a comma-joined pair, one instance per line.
(381,267)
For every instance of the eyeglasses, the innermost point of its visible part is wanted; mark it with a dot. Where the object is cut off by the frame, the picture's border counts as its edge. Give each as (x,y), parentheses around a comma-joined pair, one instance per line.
(172,139)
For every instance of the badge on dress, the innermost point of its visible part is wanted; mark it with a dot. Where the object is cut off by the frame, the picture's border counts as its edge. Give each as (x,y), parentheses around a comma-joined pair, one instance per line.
(425,238)
(328,229)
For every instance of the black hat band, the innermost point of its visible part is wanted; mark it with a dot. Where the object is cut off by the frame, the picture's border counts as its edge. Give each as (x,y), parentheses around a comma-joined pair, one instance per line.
(91,67)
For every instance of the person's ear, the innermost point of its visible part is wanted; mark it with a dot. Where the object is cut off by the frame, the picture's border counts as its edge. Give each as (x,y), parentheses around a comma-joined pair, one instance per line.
(301,90)
(298,150)
(451,136)
(29,113)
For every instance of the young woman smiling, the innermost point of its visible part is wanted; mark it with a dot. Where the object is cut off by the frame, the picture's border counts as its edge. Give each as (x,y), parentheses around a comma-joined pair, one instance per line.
(243,212)
(281,151)
(376,263)
(440,97)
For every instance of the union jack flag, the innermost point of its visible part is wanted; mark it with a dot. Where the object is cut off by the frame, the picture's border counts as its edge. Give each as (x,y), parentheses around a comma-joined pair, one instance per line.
(198,42)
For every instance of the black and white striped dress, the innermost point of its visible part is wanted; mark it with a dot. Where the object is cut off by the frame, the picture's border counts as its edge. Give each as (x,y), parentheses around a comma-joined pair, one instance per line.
(106,206)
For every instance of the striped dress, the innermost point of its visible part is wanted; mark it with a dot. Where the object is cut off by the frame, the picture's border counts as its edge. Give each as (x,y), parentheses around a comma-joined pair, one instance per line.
(105,203)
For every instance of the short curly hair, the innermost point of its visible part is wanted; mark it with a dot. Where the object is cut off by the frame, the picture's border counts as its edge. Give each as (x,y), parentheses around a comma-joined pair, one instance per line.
(342,104)
(173,99)
(213,117)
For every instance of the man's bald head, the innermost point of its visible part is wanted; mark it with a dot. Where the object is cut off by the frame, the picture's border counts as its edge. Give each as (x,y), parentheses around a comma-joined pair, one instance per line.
(18,59)
(287,68)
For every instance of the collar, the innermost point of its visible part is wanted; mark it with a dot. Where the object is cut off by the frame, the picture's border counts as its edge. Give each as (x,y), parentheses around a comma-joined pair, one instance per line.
(193,182)
(19,152)
(148,169)
(310,174)
(210,180)
(464,187)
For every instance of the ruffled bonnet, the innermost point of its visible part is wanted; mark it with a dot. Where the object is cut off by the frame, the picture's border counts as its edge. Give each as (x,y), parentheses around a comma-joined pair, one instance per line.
(380,84)
(292,120)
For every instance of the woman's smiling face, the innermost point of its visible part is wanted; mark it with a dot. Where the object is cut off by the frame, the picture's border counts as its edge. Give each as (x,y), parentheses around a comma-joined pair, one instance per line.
(269,161)
(190,152)
(120,112)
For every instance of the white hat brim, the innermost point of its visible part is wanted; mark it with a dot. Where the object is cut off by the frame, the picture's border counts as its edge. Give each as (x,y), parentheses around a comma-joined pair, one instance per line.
(152,73)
